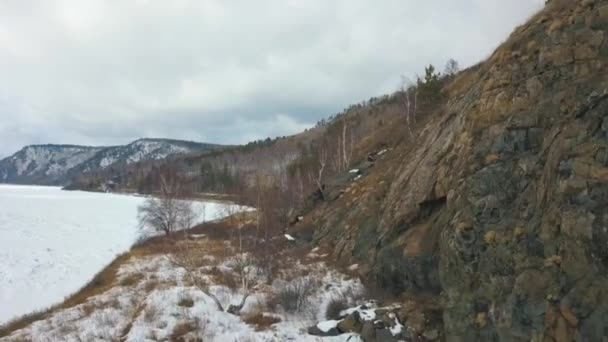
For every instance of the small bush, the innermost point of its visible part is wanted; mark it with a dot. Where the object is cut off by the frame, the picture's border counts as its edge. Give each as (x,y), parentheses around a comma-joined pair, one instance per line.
(150,313)
(186,302)
(114,303)
(224,278)
(261,321)
(66,329)
(151,285)
(87,309)
(335,306)
(213,230)
(181,329)
(293,296)
(131,280)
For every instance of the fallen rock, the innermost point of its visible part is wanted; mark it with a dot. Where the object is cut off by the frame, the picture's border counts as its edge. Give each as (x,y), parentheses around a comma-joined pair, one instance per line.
(351,323)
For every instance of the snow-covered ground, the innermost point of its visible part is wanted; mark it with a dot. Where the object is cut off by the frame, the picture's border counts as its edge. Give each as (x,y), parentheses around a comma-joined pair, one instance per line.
(161,304)
(52,242)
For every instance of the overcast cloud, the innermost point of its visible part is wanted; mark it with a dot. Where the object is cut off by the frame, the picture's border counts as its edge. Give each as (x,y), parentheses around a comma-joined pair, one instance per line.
(108,72)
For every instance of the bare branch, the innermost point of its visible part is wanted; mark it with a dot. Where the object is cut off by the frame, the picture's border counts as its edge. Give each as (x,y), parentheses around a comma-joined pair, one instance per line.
(166,213)
(192,262)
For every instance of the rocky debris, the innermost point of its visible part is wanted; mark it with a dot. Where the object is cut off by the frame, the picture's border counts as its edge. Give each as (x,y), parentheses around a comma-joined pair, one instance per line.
(381,324)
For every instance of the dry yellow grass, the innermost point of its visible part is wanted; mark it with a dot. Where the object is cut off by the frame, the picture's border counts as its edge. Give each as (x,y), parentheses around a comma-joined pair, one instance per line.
(261,321)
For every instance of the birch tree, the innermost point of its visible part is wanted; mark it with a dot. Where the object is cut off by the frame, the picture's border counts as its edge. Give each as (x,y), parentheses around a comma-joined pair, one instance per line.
(409,102)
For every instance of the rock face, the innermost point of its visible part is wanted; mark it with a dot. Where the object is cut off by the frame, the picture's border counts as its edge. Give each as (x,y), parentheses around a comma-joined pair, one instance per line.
(56,164)
(499,206)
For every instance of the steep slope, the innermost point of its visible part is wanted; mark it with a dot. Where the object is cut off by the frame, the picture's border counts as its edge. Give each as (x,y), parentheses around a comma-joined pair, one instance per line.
(56,164)
(498,204)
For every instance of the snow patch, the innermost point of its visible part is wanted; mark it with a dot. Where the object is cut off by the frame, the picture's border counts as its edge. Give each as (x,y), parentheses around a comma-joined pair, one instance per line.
(326,326)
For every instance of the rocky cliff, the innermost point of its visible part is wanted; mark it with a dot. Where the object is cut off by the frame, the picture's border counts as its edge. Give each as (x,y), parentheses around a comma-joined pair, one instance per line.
(498,205)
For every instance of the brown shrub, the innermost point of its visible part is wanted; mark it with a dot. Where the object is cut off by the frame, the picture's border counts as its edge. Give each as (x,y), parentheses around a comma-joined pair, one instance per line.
(186,302)
(156,245)
(114,303)
(132,279)
(261,321)
(293,296)
(23,321)
(87,309)
(150,313)
(181,329)
(213,230)
(151,285)
(335,306)
(224,278)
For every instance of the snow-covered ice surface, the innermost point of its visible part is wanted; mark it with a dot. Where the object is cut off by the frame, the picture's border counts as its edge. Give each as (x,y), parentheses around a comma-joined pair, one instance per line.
(52,242)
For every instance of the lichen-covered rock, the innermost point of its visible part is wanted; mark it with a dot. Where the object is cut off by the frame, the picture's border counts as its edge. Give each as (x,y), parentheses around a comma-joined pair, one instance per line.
(499,206)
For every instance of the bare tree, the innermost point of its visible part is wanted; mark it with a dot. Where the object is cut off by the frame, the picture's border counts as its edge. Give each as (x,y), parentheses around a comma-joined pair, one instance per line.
(234,216)
(168,212)
(409,100)
(451,67)
(319,178)
(242,261)
(299,184)
(347,146)
(243,265)
(191,259)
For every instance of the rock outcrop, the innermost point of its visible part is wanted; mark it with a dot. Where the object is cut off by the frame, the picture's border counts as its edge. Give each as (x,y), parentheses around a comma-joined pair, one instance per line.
(499,205)
(410,321)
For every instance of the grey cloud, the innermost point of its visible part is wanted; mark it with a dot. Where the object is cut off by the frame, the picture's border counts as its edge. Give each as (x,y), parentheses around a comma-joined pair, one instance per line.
(107,72)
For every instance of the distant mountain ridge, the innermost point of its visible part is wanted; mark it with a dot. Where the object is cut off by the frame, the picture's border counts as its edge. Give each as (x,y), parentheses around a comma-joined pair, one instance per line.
(51,164)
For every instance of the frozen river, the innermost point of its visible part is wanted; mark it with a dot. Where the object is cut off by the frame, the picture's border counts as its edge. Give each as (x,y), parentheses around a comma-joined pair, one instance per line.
(52,242)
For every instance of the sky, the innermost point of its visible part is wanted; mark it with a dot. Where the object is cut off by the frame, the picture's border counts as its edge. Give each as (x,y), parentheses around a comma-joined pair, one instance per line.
(96,72)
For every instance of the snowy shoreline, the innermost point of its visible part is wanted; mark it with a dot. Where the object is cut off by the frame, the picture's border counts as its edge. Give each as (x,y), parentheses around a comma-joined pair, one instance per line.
(52,242)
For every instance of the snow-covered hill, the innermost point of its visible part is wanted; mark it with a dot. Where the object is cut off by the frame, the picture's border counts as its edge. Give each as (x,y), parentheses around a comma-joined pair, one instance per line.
(139,150)
(56,164)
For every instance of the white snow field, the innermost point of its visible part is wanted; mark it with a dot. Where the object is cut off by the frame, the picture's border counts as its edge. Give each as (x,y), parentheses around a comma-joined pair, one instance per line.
(52,242)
